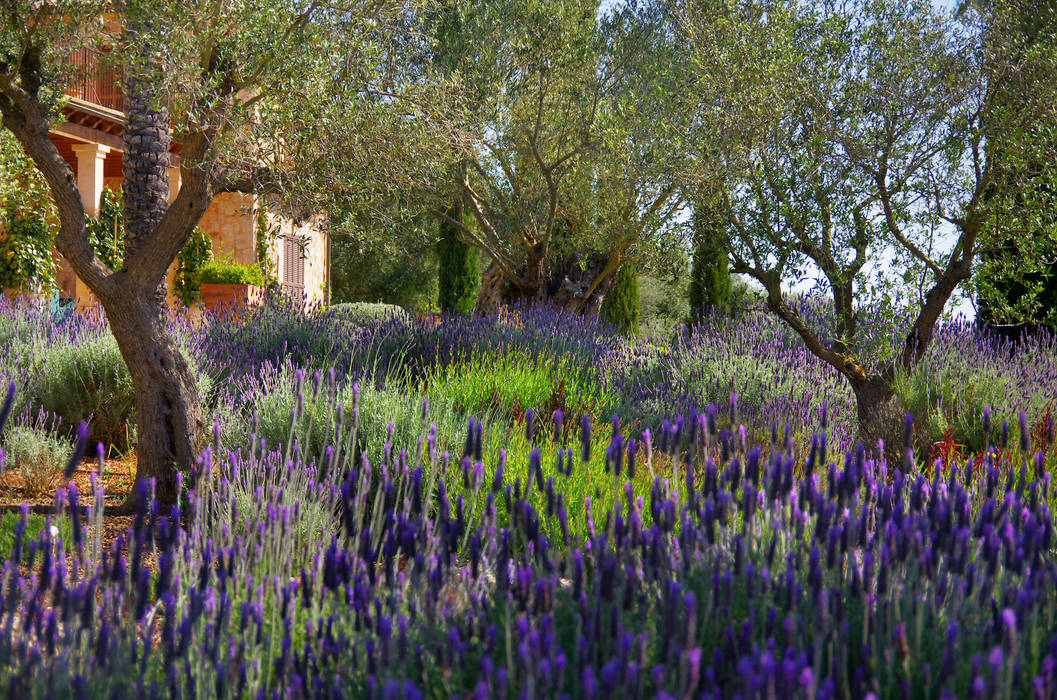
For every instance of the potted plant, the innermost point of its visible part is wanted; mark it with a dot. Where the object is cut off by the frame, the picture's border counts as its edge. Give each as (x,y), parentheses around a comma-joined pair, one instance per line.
(227,285)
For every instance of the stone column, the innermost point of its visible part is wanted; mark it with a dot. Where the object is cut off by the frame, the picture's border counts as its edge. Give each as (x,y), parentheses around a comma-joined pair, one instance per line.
(90,157)
(174,182)
(170,276)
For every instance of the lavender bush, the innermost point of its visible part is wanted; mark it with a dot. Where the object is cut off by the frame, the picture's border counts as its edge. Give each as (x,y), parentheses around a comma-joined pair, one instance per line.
(346,536)
(965,371)
(750,570)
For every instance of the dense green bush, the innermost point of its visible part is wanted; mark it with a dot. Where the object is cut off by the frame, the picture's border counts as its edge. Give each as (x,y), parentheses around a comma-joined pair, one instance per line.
(27,231)
(38,455)
(226,271)
(710,280)
(89,382)
(365,312)
(383,260)
(621,304)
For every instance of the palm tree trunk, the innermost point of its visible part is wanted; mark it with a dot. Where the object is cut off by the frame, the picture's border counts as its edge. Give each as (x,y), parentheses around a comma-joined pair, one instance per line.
(168,415)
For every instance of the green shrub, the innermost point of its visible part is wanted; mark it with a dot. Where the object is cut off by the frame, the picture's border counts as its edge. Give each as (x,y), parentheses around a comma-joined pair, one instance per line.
(229,272)
(621,304)
(365,312)
(90,382)
(38,456)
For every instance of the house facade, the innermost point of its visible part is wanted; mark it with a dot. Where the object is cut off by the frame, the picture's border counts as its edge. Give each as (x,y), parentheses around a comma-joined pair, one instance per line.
(90,140)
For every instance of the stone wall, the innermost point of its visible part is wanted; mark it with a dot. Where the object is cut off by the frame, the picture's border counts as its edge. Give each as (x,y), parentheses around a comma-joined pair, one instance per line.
(229,222)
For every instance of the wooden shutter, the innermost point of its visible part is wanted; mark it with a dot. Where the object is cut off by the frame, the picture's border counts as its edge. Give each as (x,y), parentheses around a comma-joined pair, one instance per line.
(293,267)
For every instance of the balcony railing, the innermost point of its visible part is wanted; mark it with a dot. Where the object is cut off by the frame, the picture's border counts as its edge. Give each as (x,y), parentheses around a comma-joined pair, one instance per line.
(95,81)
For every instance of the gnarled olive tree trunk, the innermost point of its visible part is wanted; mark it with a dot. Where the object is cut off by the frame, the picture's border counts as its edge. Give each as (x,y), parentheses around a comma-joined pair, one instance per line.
(168,417)
(575,284)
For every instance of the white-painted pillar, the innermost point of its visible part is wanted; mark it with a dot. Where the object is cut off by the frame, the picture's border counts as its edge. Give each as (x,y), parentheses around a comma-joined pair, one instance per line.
(90,157)
(174,182)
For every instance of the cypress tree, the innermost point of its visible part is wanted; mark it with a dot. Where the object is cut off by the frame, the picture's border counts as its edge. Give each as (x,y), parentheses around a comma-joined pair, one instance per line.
(459,276)
(621,304)
(710,281)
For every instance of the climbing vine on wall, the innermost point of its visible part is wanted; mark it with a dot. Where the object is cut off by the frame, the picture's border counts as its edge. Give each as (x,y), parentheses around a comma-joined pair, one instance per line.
(26,262)
(197,251)
(106,233)
(264,236)
(27,216)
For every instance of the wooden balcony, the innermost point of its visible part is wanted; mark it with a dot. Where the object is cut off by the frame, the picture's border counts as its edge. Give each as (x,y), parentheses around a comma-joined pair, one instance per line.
(95,81)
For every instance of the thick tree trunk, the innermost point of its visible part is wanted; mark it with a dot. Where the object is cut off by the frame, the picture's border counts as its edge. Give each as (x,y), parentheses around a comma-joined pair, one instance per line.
(168,417)
(569,286)
(490,295)
(881,417)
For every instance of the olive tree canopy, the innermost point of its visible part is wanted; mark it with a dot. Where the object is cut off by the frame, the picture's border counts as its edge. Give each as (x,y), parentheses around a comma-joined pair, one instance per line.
(575,142)
(858,131)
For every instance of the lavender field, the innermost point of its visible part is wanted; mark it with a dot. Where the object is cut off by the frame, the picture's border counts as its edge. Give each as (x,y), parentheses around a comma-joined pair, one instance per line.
(534,506)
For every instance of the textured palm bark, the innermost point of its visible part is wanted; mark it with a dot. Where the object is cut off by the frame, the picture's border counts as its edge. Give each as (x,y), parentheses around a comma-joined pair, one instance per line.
(168,415)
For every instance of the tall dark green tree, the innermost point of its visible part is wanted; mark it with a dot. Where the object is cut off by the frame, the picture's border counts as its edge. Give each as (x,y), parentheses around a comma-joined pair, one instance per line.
(621,305)
(459,274)
(710,280)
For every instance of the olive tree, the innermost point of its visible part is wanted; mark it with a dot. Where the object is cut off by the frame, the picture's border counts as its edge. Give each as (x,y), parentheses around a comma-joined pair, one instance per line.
(571,164)
(853,132)
(277,96)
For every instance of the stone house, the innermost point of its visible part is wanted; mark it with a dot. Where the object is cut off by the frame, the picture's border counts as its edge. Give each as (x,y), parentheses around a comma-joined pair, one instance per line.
(90,139)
